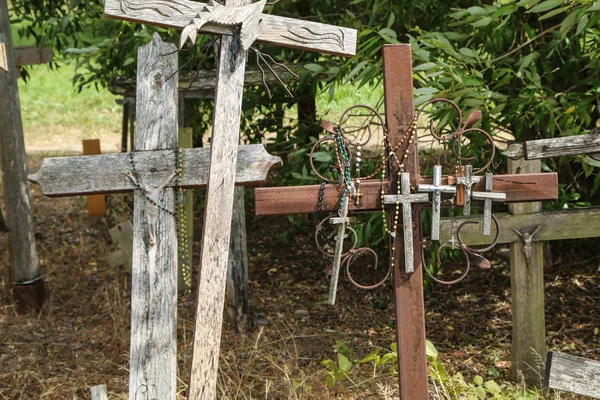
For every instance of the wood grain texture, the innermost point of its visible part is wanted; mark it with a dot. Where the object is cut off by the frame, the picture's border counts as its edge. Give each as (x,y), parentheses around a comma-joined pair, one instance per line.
(217,219)
(67,176)
(23,254)
(236,293)
(555,147)
(153,353)
(99,392)
(408,288)
(96,203)
(573,374)
(575,223)
(3,59)
(527,294)
(286,32)
(31,55)
(304,199)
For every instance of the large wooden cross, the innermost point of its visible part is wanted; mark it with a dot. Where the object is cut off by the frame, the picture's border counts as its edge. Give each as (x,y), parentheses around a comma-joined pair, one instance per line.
(153,367)
(239,27)
(408,287)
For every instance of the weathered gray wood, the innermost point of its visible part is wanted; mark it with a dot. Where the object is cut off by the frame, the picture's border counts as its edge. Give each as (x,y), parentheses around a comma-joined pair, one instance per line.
(527,293)
(487,198)
(436,204)
(153,354)
(574,223)
(122,236)
(3,60)
(339,249)
(573,374)
(406,199)
(99,392)
(287,32)
(556,147)
(23,255)
(66,176)
(217,218)
(31,55)
(236,293)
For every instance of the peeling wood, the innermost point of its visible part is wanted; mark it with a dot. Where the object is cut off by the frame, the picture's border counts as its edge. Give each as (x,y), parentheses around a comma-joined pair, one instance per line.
(573,374)
(555,147)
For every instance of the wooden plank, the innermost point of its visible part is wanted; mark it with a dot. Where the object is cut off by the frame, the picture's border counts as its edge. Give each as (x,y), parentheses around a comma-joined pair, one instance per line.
(66,176)
(408,288)
(153,353)
(3,60)
(286,32)
(99,392)
(573,374)
(96,203)
(236,293)
(23,255)
(31,55)
(304,199)
(217,218)
(574,223)
(190,84)
(555,147)
(527,294)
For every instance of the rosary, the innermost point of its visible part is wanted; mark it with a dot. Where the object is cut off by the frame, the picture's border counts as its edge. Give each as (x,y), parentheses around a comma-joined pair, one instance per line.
(153,205)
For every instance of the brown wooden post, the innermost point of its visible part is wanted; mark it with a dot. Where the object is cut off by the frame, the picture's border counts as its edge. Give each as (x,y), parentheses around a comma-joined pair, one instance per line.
(408,288)
(96,203)
(527,291)
(25,271)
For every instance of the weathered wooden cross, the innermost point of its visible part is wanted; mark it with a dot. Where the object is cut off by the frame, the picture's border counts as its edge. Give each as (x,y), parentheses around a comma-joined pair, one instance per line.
(154,270)
(240,23)
(408,287)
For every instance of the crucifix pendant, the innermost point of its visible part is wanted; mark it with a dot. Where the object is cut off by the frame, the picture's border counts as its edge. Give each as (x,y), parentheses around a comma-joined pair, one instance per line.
(468,180)
(437,189)
(341,222)
(488,197)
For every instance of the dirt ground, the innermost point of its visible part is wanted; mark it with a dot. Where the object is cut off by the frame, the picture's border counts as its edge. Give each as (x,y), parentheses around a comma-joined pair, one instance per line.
(81,337)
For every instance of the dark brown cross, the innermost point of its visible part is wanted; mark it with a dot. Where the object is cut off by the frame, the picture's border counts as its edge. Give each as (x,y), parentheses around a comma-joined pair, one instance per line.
(408,288)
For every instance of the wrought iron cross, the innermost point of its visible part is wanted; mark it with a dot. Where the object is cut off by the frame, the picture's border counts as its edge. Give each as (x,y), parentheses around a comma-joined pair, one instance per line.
(436,203)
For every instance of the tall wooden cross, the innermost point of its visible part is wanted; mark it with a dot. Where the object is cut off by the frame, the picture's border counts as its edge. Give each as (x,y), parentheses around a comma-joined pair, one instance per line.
(239,27)
(153,367)
(408,287)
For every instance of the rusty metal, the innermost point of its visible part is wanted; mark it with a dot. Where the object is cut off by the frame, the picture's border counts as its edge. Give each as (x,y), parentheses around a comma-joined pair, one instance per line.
(350,260)
(439,261)
(456,145)
(479,251)
(322,247)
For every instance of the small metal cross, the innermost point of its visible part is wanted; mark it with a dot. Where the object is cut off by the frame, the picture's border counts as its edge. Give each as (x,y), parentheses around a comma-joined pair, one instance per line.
(468,181)
(488,197)
(341,222)
(437,189)
(407,199)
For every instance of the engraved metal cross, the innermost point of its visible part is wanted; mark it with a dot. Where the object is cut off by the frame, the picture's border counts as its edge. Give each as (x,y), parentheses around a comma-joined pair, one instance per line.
(488,197)
(407,199)
(468,180)
(437,189)
(341,222)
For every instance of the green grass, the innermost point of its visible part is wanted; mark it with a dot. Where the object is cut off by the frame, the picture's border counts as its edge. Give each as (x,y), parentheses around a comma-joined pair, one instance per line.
(346,96)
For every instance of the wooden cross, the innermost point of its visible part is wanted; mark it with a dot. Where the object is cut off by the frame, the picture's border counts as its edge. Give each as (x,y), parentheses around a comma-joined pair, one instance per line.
(181,14)
(487,198)
(467,181)
(436,202)
(153,367)
(408,288)
(407,199)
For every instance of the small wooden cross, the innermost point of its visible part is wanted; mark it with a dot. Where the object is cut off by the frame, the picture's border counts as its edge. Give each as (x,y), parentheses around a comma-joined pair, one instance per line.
(341,222)
(436,203)
(407,199)
(488,197)
(468,180)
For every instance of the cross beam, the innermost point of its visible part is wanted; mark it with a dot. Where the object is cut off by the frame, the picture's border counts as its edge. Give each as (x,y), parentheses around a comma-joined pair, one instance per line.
(273,29)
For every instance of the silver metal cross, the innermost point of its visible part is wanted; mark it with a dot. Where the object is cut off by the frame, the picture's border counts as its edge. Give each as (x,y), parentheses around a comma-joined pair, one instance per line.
(437,189)
(341,222)
(468,181)
(406,199)
(488,197)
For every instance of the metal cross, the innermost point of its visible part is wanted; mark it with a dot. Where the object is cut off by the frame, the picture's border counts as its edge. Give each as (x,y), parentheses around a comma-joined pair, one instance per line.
(341,222)
(488,197)
(468,181)
(407,199)
(437,189)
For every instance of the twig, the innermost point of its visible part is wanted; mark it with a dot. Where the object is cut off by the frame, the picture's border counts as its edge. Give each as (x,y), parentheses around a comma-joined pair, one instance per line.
(533,39)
